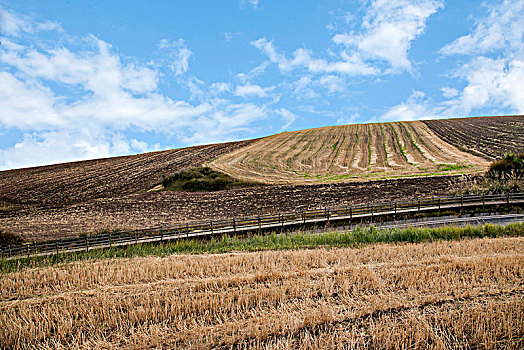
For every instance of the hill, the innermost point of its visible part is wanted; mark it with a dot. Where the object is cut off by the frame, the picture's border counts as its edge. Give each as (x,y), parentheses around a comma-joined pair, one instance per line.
(308,169)
(348,153)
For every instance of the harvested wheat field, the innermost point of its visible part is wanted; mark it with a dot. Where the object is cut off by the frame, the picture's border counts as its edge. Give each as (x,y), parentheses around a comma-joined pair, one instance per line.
(350,153)
(440,295)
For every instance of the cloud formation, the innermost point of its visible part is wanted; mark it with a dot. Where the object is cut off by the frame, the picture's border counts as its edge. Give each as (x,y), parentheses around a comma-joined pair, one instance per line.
(387,30)
(492,74)
(83,103)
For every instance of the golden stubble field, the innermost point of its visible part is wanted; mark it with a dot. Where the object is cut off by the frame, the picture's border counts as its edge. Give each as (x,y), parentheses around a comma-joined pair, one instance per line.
(348,153)
(461,294)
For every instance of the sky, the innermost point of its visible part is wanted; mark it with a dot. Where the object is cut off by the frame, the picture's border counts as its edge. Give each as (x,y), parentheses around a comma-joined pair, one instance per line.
(91,79)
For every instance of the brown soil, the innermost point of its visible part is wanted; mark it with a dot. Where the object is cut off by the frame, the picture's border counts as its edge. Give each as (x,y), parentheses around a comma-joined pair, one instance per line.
(489,137)
(79,182)
(166,208)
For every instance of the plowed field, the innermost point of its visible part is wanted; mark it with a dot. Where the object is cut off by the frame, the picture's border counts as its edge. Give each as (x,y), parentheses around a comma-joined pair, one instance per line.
(167,207)
(441,295)
(488,137)
(348,153)
(313,169)
(77,182)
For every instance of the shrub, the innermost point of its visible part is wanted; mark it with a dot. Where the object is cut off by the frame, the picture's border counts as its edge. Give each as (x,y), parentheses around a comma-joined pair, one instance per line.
(200,179)
(7,238)
(510,167)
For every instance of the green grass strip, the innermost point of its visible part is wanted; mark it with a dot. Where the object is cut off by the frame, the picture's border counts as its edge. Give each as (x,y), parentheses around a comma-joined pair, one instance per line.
(297,240)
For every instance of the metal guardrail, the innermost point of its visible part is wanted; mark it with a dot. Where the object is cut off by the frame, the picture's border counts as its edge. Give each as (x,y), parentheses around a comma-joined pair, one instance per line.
(257,223)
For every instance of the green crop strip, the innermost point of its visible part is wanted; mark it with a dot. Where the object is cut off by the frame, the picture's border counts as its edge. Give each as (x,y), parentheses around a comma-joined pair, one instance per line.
(402,149)
(355,145)
(413,142)
(369,147)
(384,145)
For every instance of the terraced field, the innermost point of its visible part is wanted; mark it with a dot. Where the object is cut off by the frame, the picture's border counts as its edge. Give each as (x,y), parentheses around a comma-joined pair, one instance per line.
(488,137)
(350,153)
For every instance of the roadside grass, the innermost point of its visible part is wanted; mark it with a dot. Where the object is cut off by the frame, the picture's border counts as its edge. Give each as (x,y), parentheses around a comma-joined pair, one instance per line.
(296,240)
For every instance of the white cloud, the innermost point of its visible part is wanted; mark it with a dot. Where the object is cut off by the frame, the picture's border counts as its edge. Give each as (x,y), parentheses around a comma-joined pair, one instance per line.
(494,72)
(68,145)
(12,24)
(502,29)
(388,29)
(449,92)
(332,82)
(415,108)
(252,3)
(176,54)
(385,35)
(491,82)
(287,116)
(348,64)
(100,99)
(251,90)
(253,73)
(222,123)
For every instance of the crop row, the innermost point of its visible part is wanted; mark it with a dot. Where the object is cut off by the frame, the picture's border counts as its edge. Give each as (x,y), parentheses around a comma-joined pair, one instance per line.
(489,137)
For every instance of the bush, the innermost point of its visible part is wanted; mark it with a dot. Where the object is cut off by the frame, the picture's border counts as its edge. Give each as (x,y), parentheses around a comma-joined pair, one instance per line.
(200,179)
(7,238)
(510,167)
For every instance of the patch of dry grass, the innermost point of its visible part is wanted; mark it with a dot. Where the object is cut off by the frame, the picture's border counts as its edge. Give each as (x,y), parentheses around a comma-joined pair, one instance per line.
(432,295)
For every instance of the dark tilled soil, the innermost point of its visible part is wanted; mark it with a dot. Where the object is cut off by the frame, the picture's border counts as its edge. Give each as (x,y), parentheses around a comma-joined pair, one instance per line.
(167,208)
(488,137)
(79,182)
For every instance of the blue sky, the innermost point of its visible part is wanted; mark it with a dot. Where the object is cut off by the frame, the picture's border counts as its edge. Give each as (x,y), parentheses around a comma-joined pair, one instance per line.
(90,79)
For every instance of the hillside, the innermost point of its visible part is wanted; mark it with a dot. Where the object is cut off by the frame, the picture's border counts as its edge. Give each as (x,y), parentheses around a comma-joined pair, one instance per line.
(307,169)
(488,137)
(77,182)
(350,152)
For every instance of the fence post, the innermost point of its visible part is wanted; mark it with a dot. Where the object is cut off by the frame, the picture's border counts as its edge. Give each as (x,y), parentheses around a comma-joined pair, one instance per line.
(56,244)
(110,240)
(419,205)
(372,211)
(507,198)
(87,245)
(234,225)
(395,208)
(136,236)
(461,201)
(211,224)
(351,213)
(483,201)
(187,229)
(439,205)
(259,223)
(28,251)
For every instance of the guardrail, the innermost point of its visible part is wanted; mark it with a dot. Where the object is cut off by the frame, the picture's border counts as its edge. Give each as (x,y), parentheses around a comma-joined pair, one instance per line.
(257,223)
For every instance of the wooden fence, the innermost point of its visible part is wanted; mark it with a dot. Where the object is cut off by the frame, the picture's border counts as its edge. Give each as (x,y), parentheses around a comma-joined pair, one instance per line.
(258,223)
